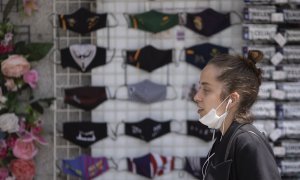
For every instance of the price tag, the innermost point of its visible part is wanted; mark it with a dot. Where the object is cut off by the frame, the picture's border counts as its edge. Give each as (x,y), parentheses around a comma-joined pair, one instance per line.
(277,94)
(280,39)
(279,75)
(277,17)
(279,151)
(281,1)
(276,134)
(277,58)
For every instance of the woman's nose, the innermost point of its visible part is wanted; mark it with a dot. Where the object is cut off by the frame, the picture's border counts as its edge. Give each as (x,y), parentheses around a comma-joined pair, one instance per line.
(197,97)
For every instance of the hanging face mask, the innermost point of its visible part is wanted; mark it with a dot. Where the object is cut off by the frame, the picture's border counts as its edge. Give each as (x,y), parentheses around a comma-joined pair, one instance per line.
(83,57)
(153,21)
(196,129)
(207,22)
(151,165)
(85,166)
(87,97)
(194,165)
(199,55)
(84,134)
(149,58)
(147,129)
(83,21)
(212,120)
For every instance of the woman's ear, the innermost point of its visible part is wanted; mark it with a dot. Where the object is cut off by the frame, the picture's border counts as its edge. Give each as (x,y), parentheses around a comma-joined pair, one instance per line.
(235,98)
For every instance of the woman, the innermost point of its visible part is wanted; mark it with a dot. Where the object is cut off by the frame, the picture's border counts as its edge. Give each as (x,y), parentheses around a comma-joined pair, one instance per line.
(228,88)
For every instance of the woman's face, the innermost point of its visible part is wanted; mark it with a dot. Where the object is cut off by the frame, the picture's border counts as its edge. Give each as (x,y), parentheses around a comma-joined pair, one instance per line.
(209,92)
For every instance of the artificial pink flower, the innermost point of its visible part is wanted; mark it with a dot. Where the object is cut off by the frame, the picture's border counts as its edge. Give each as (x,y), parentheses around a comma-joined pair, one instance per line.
(15,66)
(3,149)
(24,148)
(6,48)
(31,77)
(10,85)
(10,141)
(22,169)
(29,6)
(3,173)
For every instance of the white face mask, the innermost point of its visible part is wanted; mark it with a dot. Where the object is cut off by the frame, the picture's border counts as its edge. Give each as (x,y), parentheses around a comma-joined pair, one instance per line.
(212,120)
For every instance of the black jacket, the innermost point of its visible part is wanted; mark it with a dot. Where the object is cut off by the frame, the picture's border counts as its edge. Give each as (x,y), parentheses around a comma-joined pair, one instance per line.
(243,153)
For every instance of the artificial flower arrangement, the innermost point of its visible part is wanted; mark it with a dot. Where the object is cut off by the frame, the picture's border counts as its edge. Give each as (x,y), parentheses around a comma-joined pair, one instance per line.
(21,131)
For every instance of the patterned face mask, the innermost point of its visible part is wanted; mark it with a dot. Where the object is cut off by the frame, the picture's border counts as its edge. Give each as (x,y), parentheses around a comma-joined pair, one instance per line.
(147,129)
(151,165)
(82,21)
(207,22)
(153,21)
(149,58)
(199,55)
(85,166)
(86,97)
(83,57)
(84,134)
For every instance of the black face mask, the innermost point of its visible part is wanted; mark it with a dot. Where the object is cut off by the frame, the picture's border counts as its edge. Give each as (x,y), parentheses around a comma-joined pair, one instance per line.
(83,57)
(197,129)
(199,55)
(84,134)
(147,129)
(149,58)
(86,97)
(194,165)
(82,21)
(208,22)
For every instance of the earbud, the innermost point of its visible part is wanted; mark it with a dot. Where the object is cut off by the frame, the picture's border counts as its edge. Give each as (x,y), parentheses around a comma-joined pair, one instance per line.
(229,101)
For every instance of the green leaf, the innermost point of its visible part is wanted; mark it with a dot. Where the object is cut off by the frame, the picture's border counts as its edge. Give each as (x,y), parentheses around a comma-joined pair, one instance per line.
(35,51)
(36,106)
(10,4)
(39,104)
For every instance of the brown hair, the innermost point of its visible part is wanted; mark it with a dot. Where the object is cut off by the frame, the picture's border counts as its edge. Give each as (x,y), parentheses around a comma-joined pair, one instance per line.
(240,74)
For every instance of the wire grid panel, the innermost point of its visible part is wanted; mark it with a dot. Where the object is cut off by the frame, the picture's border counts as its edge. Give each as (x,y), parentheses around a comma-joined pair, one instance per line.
(181,75)
(66,78)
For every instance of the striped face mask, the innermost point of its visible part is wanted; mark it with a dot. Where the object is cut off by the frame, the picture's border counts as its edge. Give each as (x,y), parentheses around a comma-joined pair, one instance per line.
(151,165)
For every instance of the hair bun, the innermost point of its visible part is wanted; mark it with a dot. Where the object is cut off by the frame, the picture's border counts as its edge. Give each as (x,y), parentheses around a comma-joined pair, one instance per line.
(255,56)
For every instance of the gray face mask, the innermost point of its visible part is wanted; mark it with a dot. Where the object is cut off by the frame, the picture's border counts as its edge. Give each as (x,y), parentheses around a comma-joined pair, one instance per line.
(147,92)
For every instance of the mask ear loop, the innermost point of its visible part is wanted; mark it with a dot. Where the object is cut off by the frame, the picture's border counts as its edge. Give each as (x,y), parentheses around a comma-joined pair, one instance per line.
(108,93)
(178,131)
(115,133)
(54,53)
(126,17)
(175,92)
(115,19)
(180,170)
(118,164)
(169,85)
(58,164)
(50,19)
(182,19)
(112,57)
(113,162)
(181,57)
(239,16)
(226,110)
(116,94)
